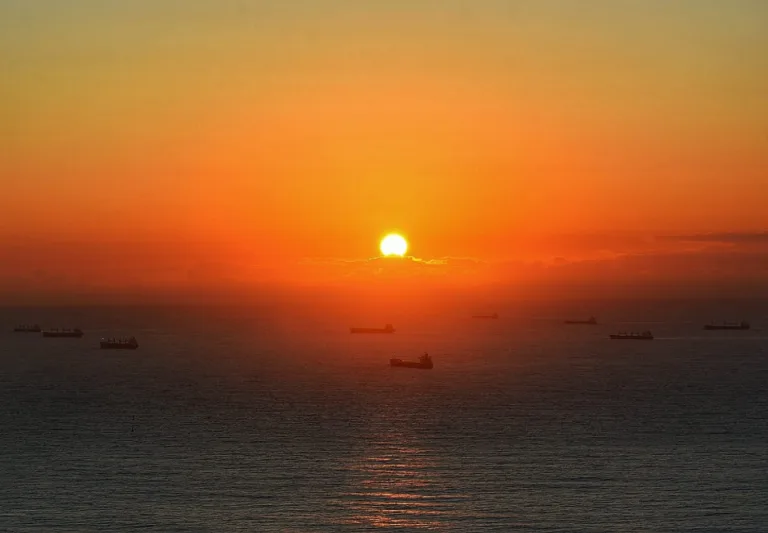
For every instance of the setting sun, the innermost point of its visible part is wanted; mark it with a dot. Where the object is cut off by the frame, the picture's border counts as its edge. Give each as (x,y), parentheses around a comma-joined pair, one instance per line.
(393,244)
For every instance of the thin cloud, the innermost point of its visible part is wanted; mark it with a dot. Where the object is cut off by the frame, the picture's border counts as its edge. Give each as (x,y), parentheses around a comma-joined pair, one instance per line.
(391,268)
(721,238)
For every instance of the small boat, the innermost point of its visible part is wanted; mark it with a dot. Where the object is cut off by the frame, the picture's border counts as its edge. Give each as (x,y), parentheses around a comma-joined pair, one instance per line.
(590,321)
(27,328)
(386,329)
(129,343)
(493,316)
(424,362)
(729,325)
(634,336)
(70,333)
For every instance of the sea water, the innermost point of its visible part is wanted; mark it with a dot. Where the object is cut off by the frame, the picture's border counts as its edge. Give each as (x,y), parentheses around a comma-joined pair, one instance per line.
(238,418)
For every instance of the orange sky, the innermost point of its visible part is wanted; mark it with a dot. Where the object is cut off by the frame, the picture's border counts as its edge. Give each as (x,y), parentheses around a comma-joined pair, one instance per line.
(260,138)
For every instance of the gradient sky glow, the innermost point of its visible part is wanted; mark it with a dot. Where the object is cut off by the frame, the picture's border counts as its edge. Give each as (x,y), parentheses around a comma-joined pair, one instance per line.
(272,132)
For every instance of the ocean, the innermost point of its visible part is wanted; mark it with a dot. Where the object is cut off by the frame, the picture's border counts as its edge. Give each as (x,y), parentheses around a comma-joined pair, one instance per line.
(263,418)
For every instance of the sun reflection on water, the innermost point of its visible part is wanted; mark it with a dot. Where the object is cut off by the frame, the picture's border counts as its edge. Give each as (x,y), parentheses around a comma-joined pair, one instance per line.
(396,484)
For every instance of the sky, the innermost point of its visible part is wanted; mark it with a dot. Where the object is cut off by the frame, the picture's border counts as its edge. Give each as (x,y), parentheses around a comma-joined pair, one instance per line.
(174,143)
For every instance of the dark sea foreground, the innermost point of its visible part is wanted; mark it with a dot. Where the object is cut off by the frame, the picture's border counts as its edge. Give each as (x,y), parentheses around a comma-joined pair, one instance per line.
(268,419)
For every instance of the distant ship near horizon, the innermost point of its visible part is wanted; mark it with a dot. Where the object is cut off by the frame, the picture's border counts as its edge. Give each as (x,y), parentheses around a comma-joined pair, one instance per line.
(386,329)
(129,343)
(424,362)
(27,328)
(590,321)
(493,316)
(68,333)
(728,325)
(633,336)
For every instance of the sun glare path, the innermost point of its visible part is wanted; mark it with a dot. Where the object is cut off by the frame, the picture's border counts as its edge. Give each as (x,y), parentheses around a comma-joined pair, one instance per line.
(393,244)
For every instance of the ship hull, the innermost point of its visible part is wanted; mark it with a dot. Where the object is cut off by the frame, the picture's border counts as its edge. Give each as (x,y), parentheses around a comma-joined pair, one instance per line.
(710,327)
(370,330)
(630,338)
(581,322)
(410,364)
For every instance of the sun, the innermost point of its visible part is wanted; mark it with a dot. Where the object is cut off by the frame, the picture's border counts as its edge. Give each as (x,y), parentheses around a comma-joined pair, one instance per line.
(393,244)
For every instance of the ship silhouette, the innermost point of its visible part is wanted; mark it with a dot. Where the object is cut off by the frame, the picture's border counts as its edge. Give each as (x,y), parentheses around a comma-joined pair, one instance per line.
(424,362)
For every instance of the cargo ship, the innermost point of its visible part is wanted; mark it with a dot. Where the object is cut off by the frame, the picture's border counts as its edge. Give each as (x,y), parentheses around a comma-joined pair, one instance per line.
(28,328)
(386,329)
(493,316)
(590,321)
(424,362)
(119,344)
(641,336)
(728,325)
(77,333)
